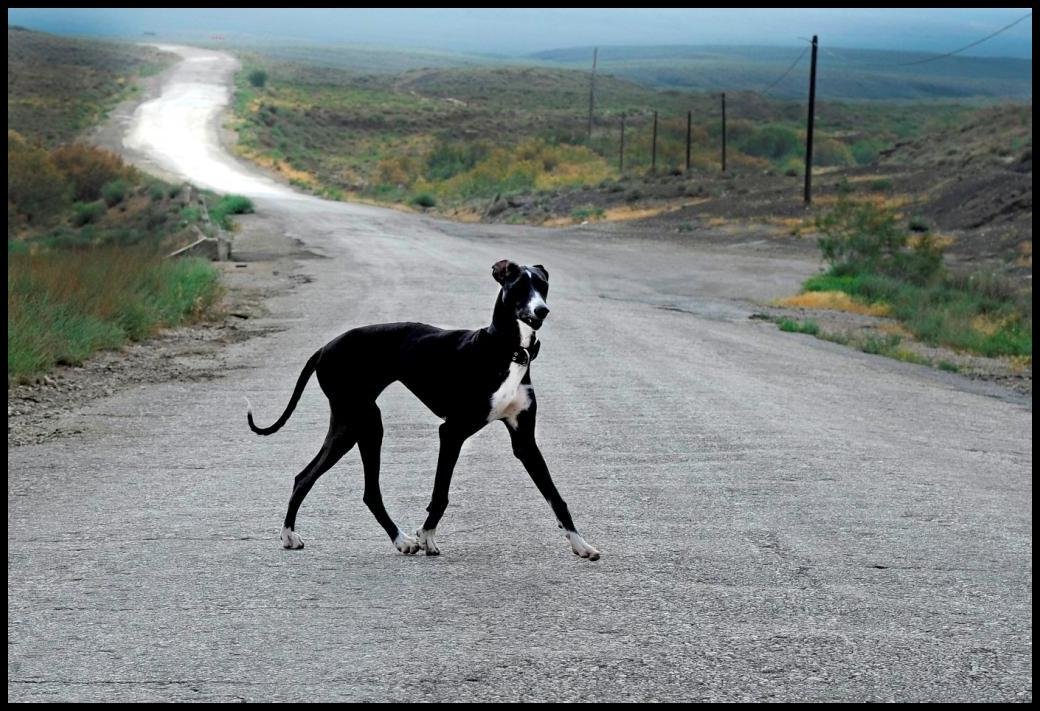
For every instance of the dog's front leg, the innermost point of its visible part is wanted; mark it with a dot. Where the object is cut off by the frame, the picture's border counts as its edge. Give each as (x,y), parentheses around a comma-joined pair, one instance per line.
(452,436)
(526,450)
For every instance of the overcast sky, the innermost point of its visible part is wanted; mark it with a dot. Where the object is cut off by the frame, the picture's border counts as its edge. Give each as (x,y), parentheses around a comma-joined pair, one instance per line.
(516,31)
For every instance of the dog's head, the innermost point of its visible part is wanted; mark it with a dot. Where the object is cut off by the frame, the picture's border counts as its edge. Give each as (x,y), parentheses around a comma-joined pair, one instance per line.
(524,290)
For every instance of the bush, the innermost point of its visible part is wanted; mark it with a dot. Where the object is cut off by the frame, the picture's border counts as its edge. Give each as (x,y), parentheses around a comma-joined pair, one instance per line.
(773,142)
(791,326)
(36,190)
(793,167)
(862,238)
(114,192)
(447,160)
(829,151)
(424,200)
(230,205)
(866,151)
(258,78)
(84,213)
(88,169)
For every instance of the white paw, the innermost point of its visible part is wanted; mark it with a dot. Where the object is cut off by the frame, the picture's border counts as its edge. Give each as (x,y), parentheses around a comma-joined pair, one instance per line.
(580,547)
(290,540)
(405,543)
(426,542)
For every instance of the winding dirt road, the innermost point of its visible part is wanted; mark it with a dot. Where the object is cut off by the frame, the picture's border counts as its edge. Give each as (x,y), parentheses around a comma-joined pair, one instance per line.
(780,518)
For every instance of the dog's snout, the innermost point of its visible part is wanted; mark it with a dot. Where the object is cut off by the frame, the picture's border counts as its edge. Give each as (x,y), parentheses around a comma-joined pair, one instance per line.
(541,312)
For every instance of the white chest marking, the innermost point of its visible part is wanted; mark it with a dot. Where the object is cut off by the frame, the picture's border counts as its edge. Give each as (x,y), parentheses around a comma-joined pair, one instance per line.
(526,334)
(512,398)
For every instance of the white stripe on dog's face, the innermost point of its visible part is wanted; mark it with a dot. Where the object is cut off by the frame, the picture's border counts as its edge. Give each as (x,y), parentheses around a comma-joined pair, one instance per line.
(535,302)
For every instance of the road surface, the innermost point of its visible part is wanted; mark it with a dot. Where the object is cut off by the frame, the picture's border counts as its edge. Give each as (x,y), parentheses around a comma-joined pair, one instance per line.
(780,518)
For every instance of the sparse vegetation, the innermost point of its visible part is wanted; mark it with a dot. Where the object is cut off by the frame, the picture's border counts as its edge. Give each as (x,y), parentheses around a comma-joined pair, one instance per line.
(872,262)
(58,86)
(792,326)
(64,305)
(88,274)
(229,205)
(467,133)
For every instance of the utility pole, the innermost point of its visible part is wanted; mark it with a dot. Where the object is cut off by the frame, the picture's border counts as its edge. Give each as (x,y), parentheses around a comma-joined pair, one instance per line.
(592,88)
(621,157)
(689,124)
(653,159)
(809,132)
(723,132)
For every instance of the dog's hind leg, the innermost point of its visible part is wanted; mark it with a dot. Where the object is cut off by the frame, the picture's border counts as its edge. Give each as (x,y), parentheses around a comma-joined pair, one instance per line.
(341,437)
(370,442)
(526,450)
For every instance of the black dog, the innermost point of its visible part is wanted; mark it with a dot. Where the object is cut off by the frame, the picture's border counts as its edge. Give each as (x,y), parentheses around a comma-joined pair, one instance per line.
(468,378)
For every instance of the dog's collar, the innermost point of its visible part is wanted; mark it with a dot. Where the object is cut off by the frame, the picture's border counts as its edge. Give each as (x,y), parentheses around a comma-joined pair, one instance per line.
(524,356)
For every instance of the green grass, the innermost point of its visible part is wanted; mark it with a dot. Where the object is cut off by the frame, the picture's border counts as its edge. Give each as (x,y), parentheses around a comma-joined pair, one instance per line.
(870,261)
(229,205)
(792,326)
(957,314)
(64,305)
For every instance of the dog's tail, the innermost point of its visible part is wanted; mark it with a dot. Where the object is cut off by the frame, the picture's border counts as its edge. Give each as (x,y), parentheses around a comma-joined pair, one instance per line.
(300,385)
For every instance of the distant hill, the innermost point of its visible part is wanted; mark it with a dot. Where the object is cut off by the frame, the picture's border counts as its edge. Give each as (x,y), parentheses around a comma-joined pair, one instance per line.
(843,74)
(58,86)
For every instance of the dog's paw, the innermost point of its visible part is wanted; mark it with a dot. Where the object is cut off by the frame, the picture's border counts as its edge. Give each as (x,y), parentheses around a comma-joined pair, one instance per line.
(426,542)
(406,544)
(290,540)
(580,547)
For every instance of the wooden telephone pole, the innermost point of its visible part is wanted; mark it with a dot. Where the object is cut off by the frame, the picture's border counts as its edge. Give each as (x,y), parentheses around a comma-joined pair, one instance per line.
(592,89)
(809,131)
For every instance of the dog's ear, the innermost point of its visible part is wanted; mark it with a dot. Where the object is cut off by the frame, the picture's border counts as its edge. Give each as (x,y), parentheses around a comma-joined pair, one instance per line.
(504,271)
(543,270)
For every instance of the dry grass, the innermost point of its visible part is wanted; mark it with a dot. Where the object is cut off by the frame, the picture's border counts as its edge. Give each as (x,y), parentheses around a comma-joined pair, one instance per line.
(891,202)
(1025,255)
(939,240)
(832,301)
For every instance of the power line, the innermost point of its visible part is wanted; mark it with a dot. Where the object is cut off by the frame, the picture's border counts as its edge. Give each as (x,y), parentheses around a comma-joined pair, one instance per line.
(968,46)
(781,77)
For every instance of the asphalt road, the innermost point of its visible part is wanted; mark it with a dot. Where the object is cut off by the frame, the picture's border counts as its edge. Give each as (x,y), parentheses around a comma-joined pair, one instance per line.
(780,518)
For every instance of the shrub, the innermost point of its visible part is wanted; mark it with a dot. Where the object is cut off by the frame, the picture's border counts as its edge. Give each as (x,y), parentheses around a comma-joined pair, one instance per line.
(793,167)
(230,205)
(791,326)
(829,151)
(866,151)
(863,238)
(919,224)
(447,160)
(772,142)
(114,192)
(88,169)
(87,212)
(424,200)
(36,190)
(258,78)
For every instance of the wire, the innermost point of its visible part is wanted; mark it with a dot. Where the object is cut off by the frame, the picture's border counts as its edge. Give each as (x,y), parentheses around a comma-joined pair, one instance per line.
(781,77)
(969,46)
